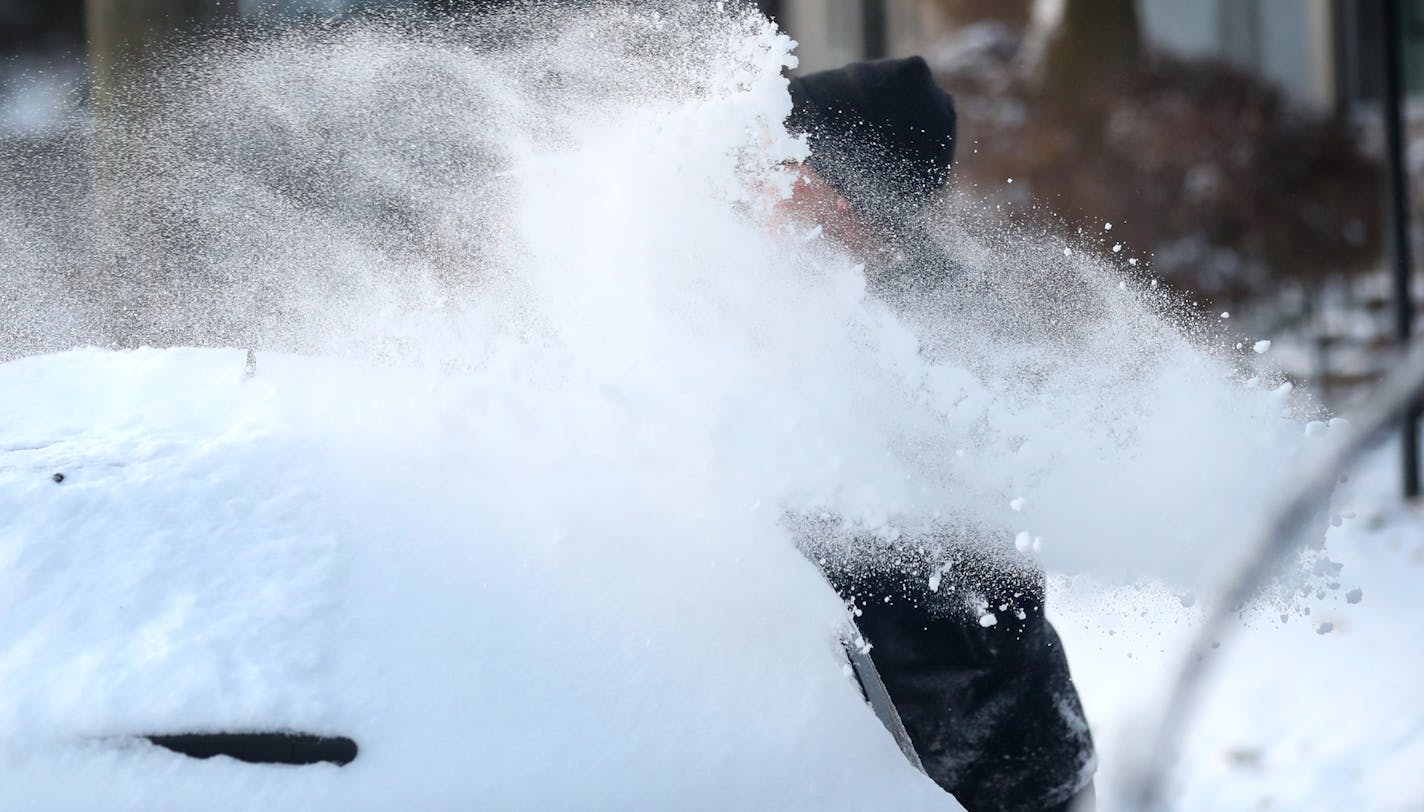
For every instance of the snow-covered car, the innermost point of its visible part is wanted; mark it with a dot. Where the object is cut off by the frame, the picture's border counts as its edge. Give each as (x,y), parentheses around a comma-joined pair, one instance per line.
(328,563)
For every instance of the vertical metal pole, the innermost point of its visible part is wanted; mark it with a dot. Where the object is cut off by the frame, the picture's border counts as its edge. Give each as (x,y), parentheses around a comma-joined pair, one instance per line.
(1398,187)
(874,32)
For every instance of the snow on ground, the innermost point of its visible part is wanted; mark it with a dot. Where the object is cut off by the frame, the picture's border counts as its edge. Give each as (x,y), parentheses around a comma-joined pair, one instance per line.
(1317,711)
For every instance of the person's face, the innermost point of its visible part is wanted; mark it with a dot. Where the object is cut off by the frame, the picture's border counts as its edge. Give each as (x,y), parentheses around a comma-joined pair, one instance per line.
(814,202)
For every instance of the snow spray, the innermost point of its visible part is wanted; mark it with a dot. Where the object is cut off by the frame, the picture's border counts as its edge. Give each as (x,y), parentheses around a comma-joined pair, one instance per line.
(573,203)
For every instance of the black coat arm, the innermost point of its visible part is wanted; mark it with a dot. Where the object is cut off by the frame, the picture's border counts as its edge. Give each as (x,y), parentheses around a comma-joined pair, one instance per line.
(979,678)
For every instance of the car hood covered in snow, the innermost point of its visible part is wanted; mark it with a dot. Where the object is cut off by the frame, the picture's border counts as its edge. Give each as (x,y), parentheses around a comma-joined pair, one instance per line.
(317,548)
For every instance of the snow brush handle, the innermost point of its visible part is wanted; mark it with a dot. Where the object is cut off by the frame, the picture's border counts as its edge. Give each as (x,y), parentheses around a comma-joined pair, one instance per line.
(1274,537)
(878,697)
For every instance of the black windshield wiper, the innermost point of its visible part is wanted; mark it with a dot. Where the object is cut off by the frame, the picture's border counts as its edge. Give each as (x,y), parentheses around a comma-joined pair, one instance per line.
(261,748)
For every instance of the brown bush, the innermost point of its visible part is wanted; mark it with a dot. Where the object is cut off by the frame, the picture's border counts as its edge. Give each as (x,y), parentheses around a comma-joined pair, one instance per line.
(1205,168)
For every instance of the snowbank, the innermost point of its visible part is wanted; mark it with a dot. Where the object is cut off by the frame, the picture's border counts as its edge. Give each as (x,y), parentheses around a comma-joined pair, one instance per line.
(1311,706)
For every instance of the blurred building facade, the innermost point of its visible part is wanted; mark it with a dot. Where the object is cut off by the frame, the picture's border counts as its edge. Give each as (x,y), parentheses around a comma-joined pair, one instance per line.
(1310,49)
(1289,42)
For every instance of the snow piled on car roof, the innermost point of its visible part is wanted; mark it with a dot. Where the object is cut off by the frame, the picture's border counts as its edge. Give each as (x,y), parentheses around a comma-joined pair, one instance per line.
(317,549)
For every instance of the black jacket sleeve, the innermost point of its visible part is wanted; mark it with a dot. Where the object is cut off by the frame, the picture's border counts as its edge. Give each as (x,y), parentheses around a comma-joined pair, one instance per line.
(980,680)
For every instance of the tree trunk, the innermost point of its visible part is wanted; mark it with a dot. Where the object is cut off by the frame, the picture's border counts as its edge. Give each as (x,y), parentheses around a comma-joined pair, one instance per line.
(1013,13)
(1097,42)
(128,42)
(128,39)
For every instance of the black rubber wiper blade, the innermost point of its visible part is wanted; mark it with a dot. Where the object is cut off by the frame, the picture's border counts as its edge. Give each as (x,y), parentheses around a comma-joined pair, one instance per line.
(261,748)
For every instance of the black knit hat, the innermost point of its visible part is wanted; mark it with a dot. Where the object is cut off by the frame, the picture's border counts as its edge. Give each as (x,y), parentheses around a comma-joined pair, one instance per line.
(882,133)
